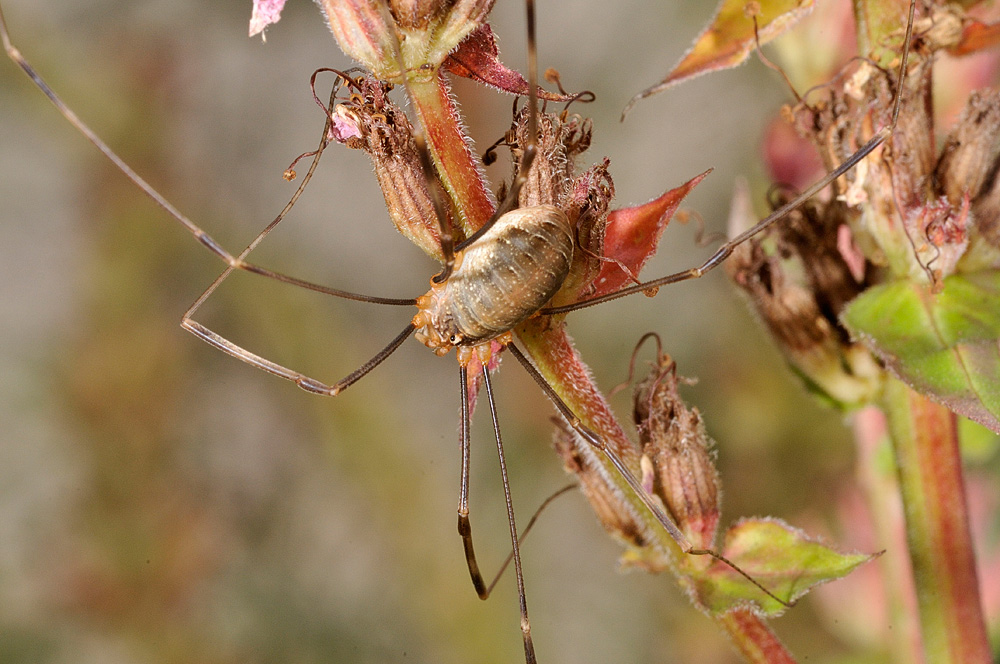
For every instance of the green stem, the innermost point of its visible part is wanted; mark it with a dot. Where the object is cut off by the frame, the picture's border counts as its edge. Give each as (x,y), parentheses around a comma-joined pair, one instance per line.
(458,166)
(878,480)
(925,442)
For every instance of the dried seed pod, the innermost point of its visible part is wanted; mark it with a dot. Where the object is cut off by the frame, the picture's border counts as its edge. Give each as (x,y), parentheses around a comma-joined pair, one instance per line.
(895,217)
(372,122)
(986,213)
(560,140)
(605,498)
(968,159)
(586,204)
(674,440)
(969,164)
(802,316)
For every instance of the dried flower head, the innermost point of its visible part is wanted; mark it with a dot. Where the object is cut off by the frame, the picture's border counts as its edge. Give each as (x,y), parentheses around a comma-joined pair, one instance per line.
(799,286)
(369,120)
(682,464)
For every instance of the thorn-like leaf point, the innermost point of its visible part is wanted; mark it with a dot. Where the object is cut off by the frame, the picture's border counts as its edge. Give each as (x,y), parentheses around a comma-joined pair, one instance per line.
(729,39)
(478,58)
(633,233)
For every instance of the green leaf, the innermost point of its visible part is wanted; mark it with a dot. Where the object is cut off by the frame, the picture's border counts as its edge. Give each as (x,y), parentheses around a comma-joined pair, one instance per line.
(781,558)
(945,346)
(880,25)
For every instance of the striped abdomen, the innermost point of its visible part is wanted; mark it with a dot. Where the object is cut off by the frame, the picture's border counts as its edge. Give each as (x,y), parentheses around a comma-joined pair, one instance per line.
(503,278)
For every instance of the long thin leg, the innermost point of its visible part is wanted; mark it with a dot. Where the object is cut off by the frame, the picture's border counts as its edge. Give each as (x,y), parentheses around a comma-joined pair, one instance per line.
(527,529)
(204,238)
(464,525)
(594,439)
(727,249)
(240,353)
(531,149)
(305,382)
(529,648)
(232,262)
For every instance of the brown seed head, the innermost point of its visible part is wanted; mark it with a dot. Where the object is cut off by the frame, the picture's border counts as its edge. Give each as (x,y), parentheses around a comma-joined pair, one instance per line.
(372,122)
(673,438)
(967,171)
(799,289)
(560,140)
(909,210)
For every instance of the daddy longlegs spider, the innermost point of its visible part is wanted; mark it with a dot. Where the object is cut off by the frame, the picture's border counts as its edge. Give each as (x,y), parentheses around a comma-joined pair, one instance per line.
(462,336)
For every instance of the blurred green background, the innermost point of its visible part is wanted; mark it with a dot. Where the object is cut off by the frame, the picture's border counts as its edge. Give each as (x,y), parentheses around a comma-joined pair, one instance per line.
(162,502)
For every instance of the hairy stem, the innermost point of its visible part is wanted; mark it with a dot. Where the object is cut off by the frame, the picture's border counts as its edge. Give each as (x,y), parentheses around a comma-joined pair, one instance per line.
(753,639)
(925,442)
(457,165)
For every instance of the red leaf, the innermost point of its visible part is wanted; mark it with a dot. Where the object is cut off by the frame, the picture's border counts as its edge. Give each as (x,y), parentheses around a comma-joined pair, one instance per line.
(977,36)
(633,234)
(478,58)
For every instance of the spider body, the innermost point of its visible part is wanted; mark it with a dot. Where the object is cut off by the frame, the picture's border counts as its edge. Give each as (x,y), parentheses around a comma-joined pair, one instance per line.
(499,280)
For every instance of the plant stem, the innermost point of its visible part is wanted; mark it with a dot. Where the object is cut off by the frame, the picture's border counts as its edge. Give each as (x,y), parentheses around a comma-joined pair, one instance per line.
(878,481)
(554,356)
(457,165)
(753,638)
(925,442)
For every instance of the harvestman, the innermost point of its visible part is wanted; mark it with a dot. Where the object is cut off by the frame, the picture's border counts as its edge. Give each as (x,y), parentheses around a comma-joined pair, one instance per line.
(453,314)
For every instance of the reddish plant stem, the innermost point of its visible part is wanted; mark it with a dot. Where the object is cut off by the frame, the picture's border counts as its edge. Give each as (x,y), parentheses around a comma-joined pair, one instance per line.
(753,638)
(925,442)
(457,164)
(550,348)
